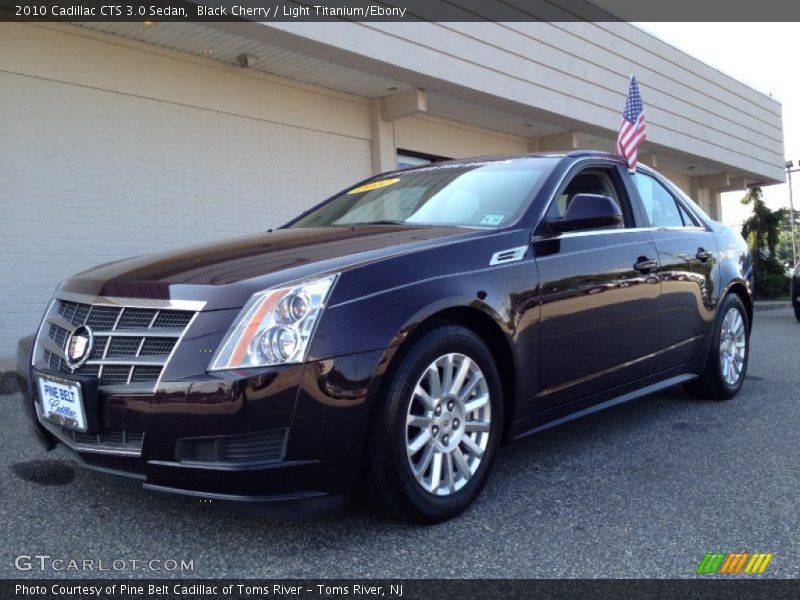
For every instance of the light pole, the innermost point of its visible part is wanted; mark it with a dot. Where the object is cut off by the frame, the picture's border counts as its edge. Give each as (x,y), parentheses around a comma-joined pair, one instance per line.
(789,171)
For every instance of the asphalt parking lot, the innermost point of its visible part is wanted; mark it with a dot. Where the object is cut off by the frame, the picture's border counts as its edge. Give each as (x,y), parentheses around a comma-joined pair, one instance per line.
(643,490)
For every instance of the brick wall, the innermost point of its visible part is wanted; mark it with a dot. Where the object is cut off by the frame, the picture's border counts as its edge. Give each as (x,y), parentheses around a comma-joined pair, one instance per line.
(89,175)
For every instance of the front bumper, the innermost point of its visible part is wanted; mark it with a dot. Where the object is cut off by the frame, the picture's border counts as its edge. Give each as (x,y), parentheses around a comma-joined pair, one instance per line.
(233,424)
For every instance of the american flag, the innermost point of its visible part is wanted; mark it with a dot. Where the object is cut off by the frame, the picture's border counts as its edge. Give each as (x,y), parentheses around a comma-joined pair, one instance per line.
(632,128)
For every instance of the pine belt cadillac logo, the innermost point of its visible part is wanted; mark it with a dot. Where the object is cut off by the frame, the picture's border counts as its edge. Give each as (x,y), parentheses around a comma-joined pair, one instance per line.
(79,347)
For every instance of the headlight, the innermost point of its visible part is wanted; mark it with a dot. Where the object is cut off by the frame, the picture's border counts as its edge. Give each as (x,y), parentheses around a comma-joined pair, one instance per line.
(275,327)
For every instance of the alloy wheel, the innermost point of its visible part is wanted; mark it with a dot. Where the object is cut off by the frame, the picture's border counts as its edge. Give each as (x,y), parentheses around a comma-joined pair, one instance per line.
(732,346)
(448,424)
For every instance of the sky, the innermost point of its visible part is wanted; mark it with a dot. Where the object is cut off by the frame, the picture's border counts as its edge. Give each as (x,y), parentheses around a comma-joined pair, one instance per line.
(766,56)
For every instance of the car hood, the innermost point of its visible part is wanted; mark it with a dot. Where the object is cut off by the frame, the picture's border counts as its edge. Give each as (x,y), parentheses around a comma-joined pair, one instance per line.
(226,273)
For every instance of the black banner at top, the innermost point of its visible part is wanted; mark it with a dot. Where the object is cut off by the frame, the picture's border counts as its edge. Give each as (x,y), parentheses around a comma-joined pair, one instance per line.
(288,11)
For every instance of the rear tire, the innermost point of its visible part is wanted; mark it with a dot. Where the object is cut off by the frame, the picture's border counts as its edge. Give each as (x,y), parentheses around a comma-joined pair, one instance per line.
(729,353)
(797,311)
(436,426)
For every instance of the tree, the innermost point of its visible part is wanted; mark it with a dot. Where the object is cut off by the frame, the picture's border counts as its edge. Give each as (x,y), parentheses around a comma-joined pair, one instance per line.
(762,232)
(784,247)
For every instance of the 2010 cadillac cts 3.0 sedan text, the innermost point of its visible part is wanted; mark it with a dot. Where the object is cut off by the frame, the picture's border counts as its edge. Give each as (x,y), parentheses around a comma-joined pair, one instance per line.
(393,336)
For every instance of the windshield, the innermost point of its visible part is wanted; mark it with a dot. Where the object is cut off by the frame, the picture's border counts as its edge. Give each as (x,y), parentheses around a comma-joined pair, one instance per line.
(476,194)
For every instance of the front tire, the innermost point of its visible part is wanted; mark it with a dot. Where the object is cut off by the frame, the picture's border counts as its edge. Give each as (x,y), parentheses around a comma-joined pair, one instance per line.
(729,353)
(436,427)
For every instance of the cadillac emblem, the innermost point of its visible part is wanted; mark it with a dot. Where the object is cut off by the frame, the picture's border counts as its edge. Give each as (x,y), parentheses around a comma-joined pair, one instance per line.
(79,347)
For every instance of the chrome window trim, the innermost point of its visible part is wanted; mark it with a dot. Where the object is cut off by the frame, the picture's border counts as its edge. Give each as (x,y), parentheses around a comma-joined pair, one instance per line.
(121,302)
(593,232)
(682,228)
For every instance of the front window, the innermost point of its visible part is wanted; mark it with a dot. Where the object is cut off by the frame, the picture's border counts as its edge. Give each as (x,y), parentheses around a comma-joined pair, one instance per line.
(598,181)
(475,194)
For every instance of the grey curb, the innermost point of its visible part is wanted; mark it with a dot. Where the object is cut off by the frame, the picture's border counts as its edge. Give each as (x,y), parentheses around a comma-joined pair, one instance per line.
(770,305)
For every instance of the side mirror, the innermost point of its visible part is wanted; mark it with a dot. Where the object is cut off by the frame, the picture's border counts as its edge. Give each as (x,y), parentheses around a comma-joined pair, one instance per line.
(588,211)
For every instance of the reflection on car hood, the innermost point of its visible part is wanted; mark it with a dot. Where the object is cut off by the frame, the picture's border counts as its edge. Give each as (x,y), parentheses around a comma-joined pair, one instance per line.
(257,261)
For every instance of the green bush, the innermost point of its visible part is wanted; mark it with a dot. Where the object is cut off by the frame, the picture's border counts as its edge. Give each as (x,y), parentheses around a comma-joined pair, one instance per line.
(772,286)
(771,280)
(761,231)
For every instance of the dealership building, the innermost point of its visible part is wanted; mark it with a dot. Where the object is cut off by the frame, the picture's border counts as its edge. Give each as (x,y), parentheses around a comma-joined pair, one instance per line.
(121,139)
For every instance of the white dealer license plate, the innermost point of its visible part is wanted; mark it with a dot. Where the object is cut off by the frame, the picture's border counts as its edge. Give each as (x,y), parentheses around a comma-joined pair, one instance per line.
(62,402)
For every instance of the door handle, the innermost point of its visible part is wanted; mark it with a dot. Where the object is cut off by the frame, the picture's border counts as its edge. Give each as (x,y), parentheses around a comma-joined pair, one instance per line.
(645,265)
(703,255)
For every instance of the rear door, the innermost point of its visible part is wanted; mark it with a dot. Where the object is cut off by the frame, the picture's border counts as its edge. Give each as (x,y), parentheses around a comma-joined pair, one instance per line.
(598,296)
(687,256)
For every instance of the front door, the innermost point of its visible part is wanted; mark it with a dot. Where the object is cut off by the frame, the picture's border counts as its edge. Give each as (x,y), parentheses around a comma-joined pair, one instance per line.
(599,296)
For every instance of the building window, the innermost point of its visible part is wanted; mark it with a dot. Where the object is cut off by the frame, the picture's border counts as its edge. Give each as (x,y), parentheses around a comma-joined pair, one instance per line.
(409,158)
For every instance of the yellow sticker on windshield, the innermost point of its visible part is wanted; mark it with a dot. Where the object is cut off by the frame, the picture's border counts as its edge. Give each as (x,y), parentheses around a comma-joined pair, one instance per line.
(373,186)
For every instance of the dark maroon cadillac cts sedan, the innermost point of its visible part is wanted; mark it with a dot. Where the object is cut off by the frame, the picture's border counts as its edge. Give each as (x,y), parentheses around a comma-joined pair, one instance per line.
(393,336)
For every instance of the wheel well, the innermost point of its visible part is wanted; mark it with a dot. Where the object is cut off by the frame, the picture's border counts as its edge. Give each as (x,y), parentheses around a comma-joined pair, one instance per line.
(497,343)
(740,290)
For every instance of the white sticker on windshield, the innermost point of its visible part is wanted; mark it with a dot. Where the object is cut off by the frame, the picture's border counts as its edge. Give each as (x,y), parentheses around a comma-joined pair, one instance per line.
(492,219)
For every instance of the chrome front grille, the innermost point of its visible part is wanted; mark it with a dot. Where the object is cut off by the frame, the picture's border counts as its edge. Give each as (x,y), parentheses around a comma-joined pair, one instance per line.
(131,343)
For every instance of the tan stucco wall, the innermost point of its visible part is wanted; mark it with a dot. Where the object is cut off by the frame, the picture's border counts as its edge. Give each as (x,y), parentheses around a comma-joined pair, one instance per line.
(573,74)
(115,148)
(438,136)
(82,57)
(682,181)
(112,150)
